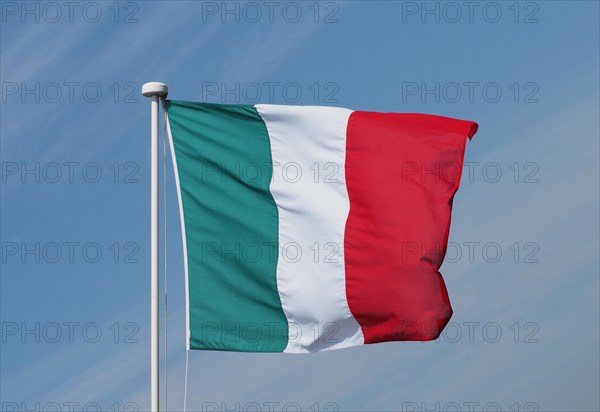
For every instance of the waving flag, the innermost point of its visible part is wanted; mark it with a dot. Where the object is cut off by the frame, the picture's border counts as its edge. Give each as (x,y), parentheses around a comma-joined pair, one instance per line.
(313,228)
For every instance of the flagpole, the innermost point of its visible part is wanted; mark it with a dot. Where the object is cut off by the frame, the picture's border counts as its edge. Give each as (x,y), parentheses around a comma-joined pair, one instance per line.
(155,91)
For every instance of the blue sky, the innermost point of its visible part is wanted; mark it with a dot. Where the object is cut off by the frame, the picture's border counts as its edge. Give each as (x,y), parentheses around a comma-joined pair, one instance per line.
(75,196)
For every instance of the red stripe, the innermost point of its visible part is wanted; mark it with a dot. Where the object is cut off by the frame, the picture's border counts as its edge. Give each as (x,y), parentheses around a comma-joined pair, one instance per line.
(402,171)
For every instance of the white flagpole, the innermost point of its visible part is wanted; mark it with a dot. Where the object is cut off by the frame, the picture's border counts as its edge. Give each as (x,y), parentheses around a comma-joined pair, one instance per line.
(155,91)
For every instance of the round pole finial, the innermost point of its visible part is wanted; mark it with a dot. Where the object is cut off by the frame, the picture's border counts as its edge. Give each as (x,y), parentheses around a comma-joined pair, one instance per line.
(155,89)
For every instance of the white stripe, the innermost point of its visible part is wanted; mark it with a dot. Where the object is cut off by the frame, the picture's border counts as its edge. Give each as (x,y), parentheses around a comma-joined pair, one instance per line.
(308,146)
(183,238)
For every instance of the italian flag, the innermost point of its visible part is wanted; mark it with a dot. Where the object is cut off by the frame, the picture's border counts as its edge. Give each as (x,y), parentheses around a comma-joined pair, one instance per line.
(312,228)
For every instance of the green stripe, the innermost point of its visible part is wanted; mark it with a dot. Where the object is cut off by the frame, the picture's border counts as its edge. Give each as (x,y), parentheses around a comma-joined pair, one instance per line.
(224,162)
